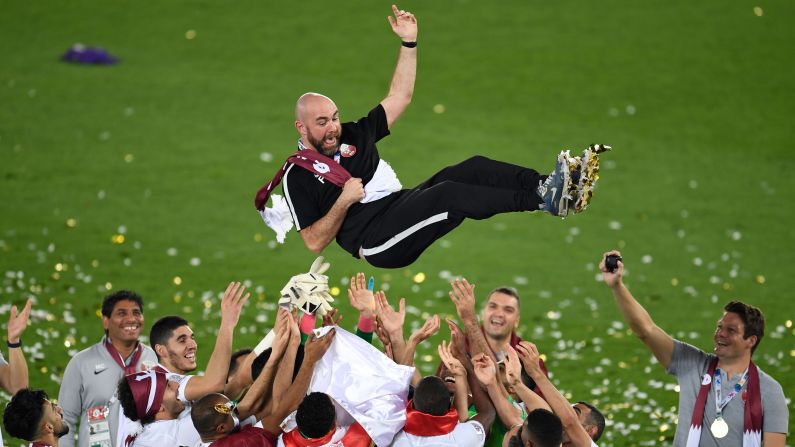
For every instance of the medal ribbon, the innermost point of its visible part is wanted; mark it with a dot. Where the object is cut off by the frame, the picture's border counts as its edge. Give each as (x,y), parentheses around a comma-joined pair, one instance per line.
(720,404)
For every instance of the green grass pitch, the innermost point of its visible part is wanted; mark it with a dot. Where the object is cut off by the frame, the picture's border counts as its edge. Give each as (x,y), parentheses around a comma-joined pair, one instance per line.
(142,175)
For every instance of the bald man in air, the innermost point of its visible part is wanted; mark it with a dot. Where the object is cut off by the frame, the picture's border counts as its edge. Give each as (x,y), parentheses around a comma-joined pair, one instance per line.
(337,187)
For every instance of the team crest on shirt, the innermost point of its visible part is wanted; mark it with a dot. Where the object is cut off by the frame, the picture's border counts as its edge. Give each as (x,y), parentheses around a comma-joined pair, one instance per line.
(347,150)
(320,167)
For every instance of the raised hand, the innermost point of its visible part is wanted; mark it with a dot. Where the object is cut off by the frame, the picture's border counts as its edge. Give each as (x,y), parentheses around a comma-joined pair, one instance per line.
(613,279)
(485,369)
(453,365)
(463,296)
(284,321)
(18,321)
(458,345)
(332,318)
(404,24)
(430,328)
(529,355)
(391,320)
(513,367)
(360,297)
(232,303)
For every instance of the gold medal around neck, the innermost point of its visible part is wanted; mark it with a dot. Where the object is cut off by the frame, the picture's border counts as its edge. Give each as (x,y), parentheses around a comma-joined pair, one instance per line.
(719,428)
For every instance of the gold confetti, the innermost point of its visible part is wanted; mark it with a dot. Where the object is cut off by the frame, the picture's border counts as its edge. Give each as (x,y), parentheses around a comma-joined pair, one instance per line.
(128,158)
(95,263)
(792,353)
(56,276)
(177,280)
(623,365)
(335,291)
(676,388)
(664,428)
(438,109)
(788,323)
(760,279)
(177,298)
(60,267)
(44,370)
(108,286)
(419,278)
(727,286)
(758,11)
(674,282)
(99,313)
(543,357)
(190,34)
(187,309)
(117,239)
(52,300)
(208,304)
(71,222)
(258,237)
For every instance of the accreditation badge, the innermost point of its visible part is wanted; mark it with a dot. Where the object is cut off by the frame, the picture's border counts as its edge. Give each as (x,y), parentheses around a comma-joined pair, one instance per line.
(98,428)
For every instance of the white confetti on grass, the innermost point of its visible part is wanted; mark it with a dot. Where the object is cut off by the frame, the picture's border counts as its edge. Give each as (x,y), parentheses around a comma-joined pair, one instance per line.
(614,225)
(195,262)
(266,157)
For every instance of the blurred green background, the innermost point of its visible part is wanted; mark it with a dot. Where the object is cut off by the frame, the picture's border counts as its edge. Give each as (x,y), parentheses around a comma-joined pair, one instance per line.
(142,175)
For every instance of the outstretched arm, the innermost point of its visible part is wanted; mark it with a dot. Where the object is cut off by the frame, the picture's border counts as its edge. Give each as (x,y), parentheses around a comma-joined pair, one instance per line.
(318,235)
(14,376)
(559,404)
(660,343)
(218,366)
(401,89)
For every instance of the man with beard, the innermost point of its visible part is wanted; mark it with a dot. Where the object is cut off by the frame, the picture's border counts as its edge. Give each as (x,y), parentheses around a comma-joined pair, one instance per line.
(173,341)
(343,190)
(725,399)
(14,372)
(31,416)
(91,376)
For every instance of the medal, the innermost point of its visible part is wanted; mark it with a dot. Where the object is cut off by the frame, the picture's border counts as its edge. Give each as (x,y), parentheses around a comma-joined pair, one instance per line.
(719,428)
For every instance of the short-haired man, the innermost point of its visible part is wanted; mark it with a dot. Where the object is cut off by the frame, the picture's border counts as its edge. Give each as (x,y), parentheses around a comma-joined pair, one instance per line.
(350,194)
(316,426)
(217,425)
(175,346)
(583,424)
(90,379)
(14,372)
(167,420)
(431,418)
(724,398)
(495,335)
(31,416)
(541,429)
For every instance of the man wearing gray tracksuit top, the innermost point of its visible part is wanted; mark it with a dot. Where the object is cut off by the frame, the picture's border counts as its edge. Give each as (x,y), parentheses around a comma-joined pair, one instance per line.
(91,377)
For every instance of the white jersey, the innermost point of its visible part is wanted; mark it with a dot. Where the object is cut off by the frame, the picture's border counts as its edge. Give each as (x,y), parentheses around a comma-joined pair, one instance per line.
(179,378)
(465,434)
(178,432)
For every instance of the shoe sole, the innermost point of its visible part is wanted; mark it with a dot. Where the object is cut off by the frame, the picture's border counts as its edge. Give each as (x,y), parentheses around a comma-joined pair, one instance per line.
(589,175)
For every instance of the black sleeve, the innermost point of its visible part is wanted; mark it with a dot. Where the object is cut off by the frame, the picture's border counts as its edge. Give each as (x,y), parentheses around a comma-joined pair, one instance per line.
(374,125)
(302,198)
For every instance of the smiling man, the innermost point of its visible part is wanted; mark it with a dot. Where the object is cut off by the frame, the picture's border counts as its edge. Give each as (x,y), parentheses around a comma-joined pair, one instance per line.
(725,399)
(91,376)
(175,345)
(338,187)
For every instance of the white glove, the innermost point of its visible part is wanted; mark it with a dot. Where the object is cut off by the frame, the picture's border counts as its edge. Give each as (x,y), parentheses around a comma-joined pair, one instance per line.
(309,291)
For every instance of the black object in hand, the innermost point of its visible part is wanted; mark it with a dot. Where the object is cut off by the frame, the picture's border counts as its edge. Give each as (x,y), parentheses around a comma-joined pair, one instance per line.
(611,263)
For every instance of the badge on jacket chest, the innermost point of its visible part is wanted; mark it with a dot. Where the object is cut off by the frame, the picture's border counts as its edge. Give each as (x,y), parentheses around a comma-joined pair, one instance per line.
(347,150)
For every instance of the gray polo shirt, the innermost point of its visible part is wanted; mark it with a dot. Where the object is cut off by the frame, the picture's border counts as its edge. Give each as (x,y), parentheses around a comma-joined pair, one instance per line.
(90,380)
(689,364)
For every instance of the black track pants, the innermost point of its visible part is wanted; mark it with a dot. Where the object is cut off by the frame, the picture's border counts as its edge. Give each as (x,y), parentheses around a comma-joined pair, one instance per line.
(477,188)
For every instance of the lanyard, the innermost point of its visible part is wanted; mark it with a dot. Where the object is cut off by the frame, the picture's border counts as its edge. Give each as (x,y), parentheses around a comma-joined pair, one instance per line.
(720,404)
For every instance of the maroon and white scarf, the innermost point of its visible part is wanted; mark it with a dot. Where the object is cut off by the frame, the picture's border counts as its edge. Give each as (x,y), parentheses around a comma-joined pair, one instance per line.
(312,161)
(752,396)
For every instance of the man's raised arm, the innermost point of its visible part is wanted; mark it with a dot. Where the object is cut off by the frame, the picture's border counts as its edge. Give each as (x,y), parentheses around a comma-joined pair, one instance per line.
(660,343)
(318,235)
(404,25)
